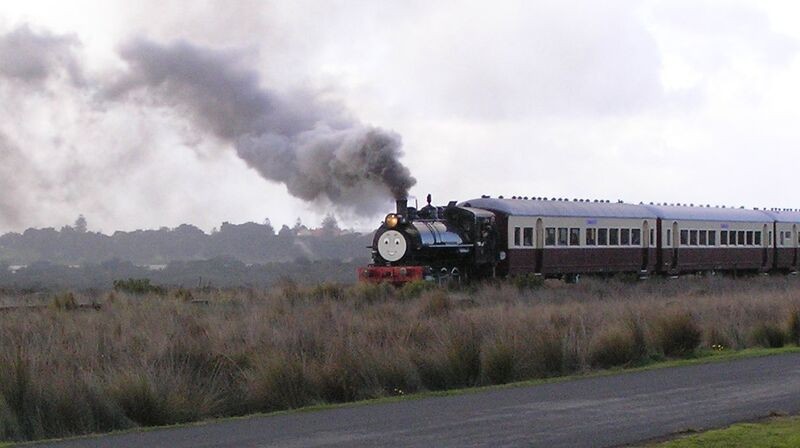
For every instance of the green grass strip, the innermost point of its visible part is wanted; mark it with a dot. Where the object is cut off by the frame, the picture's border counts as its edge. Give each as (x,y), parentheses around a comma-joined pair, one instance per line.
(781,432)
(701,357)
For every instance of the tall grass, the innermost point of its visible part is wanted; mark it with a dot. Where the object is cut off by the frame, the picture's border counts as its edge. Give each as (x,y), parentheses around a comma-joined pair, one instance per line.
(177,356)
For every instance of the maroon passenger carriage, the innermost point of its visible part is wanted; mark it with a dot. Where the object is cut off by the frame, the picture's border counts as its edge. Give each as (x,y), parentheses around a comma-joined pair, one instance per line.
(565,239)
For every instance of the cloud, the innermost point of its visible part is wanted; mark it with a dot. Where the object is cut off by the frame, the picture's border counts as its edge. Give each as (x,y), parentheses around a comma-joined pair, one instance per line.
(34,57)
(713,35)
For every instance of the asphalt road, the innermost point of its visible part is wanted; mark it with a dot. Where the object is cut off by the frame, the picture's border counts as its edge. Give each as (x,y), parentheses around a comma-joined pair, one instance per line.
(592,412)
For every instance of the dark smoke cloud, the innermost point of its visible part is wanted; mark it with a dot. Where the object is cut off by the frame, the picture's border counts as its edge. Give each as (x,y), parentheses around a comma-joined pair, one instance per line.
(314,147)
(33,57)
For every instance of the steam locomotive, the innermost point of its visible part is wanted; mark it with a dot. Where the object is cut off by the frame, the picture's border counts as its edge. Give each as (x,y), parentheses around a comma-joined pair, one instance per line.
(558,238)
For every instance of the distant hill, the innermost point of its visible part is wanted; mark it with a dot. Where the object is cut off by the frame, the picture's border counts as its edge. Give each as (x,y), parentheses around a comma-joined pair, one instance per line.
(249,243)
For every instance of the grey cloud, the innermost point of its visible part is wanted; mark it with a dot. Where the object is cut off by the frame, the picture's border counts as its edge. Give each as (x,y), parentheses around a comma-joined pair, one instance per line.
(32,57)
(317,149)
(718,33)
(15,172)
(526,58)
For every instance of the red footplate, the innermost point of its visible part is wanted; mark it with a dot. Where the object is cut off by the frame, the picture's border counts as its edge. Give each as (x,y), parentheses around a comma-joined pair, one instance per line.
(396,275)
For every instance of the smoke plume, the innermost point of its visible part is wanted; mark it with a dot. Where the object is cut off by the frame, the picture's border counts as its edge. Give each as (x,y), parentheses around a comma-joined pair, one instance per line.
(316,148)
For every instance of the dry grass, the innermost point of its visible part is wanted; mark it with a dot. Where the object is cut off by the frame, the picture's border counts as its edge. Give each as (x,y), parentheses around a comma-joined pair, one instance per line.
(187,355)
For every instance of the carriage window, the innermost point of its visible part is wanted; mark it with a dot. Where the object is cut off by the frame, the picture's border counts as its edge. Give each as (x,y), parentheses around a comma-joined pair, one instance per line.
(527,236)
(591,237)
(562,236)
(781,238)
(770,237)
(636,237)
(574,237)
(749,237)
(652,237)
(517,236)
(758,238)
(684,237)
(712,237)
(550,236)
(613,237)
(669,237)
(741,238)
(625,237)
(732,238)
(693,237)
(723,237)
(602,237)
(703,238)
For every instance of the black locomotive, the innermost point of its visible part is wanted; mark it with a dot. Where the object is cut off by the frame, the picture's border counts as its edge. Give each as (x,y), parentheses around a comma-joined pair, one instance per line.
(451,242)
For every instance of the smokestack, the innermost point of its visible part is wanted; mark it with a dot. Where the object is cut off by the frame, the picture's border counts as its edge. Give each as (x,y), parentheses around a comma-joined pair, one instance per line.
(402,207)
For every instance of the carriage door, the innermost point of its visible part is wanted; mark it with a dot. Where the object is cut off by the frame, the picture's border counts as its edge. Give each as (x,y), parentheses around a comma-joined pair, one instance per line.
(794,246)
(539,246)
(765,244)
(676,239)
(645,245)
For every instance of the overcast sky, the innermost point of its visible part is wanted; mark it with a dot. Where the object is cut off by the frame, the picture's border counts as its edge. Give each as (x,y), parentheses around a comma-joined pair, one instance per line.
(674,101)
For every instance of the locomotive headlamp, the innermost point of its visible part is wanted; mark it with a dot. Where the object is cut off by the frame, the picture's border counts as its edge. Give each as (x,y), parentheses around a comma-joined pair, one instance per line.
(391,220)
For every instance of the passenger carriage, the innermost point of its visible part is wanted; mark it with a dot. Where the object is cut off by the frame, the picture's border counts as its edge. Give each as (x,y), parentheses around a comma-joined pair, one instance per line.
(567,238)
(713,239)
(787,240)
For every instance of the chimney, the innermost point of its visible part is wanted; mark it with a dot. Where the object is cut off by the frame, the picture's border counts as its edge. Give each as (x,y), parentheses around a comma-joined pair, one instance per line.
(402,207)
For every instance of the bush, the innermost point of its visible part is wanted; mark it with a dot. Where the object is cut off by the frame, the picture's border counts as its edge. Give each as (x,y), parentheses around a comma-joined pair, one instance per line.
(547,353)
(793,332)
(527,281)
(717,339)
(677,334)
(140,400)
(414,289)
(768,336)
(464,357)
(368,293)
(280,382)
(499,363)
(435,304)
(65,302)
(617,347)
(327,291)
(138,286)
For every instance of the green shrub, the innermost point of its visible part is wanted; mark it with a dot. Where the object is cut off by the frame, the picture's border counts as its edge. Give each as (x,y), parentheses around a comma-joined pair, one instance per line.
(527,281)
(141,401)
(414,289)
(327,291)
(768,335)
(9,425)
(64,302)
(436,303)
(464,356)
(547,347)
(138,286)
(793,325)
(614,347)
(499,361)
(369,293)
(277,383)
(717,339)
(677,334)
